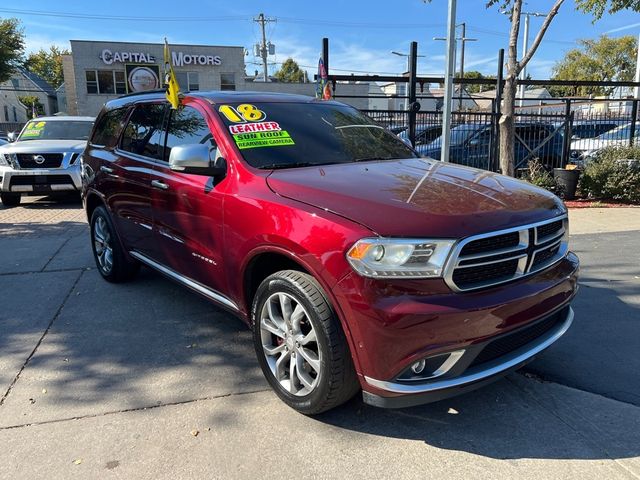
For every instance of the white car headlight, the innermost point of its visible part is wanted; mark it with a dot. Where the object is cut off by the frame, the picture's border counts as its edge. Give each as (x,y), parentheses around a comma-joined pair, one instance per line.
(8,159)
(397,257)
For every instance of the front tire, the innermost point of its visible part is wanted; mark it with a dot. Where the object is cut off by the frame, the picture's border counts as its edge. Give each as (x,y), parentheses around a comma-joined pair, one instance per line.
(110,258)
(10,199)
(300,344)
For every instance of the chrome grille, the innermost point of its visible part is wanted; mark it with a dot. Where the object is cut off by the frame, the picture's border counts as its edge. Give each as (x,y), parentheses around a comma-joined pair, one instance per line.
(494,258)
(39,160)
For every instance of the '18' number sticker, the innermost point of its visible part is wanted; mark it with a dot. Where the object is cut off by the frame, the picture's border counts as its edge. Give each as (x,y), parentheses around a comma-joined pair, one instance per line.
(242,113)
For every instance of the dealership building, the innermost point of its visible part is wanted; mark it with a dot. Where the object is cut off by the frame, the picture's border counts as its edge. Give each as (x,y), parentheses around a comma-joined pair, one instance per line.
(96,72)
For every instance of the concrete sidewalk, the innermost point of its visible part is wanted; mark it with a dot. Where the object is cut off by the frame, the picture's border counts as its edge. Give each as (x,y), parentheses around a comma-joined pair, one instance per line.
(146,380)
(598,220)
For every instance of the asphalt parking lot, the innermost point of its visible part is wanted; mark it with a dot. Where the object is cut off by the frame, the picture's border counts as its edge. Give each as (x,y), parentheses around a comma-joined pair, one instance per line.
(147,380)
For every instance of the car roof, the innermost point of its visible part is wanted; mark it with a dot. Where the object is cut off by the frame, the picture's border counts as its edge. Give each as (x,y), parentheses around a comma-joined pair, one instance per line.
(217,97)
(64,118)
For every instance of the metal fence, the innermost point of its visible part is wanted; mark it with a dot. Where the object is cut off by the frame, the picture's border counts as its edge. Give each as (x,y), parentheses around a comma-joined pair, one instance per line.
(553,136)
(555,131)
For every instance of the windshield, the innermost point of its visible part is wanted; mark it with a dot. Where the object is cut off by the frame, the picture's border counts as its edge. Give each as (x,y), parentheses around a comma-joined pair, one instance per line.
(56,130)
(284,135)
(459,135)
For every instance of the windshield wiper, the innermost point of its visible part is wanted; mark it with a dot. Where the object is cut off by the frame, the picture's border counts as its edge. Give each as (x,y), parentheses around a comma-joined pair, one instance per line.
(278,166)
(371,159)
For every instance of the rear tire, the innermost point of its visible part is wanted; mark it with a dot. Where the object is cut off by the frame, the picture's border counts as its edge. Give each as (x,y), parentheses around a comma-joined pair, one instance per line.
(300,344)
(10,199)
(110,258)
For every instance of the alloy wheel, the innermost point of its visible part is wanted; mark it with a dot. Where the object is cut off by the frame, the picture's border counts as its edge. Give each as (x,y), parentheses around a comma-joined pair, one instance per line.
(102,244)
(290,344)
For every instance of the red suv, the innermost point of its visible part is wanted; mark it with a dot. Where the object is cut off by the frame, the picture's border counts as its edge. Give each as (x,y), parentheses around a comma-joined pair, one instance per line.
(357,264)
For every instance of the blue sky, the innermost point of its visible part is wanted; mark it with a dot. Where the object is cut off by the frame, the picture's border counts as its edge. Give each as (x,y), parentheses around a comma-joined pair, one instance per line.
(362,33)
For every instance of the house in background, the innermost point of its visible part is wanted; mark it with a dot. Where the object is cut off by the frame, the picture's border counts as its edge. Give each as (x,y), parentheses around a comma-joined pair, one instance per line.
(22,84)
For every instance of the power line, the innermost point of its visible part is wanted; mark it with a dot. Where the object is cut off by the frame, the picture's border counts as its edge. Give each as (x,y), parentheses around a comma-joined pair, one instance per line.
(124,18)
(229,18)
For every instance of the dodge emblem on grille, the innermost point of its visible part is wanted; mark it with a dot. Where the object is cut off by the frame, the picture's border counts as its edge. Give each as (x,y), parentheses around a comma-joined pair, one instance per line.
(39,159)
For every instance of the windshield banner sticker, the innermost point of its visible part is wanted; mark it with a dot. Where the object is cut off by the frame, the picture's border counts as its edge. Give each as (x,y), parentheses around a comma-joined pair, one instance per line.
(263,139)
(254,127)
(242,113)
(33,129)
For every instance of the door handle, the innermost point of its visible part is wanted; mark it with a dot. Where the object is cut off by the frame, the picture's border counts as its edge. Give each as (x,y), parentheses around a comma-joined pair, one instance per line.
(159,184)
(106,169)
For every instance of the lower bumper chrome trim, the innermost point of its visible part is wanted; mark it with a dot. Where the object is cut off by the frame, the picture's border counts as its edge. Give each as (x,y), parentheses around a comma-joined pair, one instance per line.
(207,292)
(491,369)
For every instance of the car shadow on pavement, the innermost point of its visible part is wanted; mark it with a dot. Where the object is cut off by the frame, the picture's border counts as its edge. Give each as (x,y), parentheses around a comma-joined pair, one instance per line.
(62,201)
(116,347)
(113,348)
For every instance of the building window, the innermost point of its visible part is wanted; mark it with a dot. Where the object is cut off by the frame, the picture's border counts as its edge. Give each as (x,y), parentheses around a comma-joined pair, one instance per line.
(15,114)
(227,81)
(188,81)
(106,82)
(92,81)
(15,82)
(121,83)
(6,113)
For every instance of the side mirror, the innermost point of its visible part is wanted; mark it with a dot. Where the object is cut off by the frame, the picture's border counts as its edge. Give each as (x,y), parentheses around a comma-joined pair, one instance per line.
(12,136)
(194,159)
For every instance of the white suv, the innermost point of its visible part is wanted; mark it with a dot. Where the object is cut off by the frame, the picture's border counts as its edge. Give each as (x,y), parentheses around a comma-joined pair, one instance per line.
(44,158)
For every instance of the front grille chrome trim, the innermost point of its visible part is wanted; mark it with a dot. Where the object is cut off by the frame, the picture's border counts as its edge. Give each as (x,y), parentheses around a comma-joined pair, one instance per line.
(528,241)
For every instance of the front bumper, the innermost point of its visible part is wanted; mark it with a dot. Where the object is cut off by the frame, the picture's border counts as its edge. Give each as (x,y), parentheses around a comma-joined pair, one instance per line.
(40,180)
(395,324)
(471,379)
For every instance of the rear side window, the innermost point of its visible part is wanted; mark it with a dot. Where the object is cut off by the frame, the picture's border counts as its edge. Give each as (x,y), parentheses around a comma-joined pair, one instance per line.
(109,127)
(143,134)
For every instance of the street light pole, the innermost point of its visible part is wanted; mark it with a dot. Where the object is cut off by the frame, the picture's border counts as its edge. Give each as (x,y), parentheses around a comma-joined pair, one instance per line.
(448,81)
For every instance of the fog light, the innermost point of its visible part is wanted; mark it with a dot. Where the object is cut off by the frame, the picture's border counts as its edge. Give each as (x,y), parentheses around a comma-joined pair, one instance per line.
(418,367)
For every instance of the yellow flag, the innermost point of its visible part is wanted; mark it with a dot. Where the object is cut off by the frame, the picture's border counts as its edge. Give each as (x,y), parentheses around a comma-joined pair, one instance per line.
(170,81)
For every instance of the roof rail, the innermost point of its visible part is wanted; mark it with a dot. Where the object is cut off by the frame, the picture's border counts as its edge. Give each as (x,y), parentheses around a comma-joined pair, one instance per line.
(134,94)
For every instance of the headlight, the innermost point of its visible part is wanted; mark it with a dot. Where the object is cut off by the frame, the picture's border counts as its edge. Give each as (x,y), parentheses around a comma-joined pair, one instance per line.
(8,159)
(391,257)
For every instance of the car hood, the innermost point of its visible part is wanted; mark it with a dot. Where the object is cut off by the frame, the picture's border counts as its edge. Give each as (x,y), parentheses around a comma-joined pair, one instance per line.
(44,146)
(418,197)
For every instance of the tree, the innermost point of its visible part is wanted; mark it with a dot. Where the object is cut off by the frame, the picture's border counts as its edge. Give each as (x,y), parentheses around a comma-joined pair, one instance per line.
(48,65)
(601,59)
(290,72)
(34,107)
(515,66)
(11,47)
(475,75)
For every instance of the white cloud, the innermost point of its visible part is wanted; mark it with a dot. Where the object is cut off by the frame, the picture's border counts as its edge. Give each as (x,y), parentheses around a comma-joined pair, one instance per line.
(620,29)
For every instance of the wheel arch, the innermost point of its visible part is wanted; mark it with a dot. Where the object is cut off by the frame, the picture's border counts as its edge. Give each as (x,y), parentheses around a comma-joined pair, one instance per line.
(268,260)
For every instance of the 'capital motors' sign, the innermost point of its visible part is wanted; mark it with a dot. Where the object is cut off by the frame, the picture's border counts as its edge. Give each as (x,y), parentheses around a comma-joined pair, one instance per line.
(179,59)
(109,57)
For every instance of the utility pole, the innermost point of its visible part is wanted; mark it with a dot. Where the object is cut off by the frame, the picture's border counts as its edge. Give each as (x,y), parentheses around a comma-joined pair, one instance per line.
(264,48)
(525,49)
(462,39)
(448,81)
